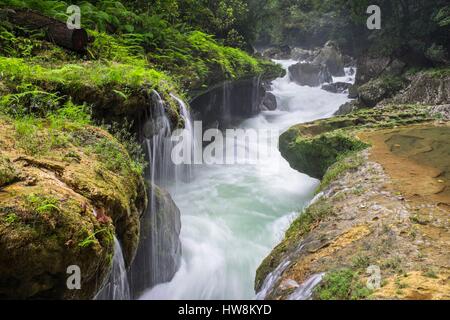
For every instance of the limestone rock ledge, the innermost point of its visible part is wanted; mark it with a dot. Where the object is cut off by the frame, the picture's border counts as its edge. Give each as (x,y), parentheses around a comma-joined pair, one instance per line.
(61,207)
(386,207)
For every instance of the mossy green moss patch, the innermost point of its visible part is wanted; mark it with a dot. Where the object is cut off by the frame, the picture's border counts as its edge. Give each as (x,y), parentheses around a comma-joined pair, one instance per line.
(313,147)
(78,187)
(342,284)
(314,155)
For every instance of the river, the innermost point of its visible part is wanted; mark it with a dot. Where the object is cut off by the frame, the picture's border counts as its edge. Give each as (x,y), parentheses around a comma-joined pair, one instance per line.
(233,215)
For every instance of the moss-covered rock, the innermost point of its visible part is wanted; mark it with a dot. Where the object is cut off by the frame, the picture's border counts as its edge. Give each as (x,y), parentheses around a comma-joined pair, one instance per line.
(431,87)
(358,218)
(375,91)
(330,56)
(315,155)
(77,188)
(313,147)
(8,173)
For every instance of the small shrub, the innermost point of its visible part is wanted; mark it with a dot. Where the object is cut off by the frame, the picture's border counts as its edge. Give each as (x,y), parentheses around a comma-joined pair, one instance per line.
(341,284)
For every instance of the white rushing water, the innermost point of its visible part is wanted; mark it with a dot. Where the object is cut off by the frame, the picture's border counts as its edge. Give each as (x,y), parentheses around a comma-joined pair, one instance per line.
(233,215)
(117,287)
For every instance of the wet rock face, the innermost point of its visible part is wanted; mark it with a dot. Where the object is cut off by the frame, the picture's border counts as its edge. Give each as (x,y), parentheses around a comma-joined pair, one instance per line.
(61,209)
(347,108)
(309,74)
(270,101)
(337,87)
(371,68)
(278,53)
(377,90)
(229,101)
(426,89)
(330,56)
(301,54)
(159,254)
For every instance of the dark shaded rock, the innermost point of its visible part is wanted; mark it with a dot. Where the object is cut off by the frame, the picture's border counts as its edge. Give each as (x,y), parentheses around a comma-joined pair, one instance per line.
(379,89)
(270,101)
(330,56)
(229,101)
(279,53)
(160,231)
(348,61)
(337,87)
(353,92)
(347,108)
(301,54)
(370,68)
(426,88)
(308,74)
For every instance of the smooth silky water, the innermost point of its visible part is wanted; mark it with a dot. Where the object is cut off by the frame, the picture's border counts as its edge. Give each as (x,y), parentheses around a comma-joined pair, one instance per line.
(233,215)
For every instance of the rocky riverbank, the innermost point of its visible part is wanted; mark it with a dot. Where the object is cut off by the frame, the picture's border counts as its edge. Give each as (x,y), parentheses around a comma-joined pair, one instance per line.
(383,203)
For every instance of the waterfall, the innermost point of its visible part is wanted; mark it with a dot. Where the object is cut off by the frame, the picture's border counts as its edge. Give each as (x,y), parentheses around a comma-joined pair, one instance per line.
(256,92)
(271,279)
(234,215)
(158,255)
(184,172)
(117,287)
(225,108)
(158,144)
(305,290)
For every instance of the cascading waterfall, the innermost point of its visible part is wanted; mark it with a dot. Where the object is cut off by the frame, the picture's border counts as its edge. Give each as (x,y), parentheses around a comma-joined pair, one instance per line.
(255,94)
(305,290)
(225,106)
(159,145)
(117,287)
(153,263)
(233,215)
(184,172)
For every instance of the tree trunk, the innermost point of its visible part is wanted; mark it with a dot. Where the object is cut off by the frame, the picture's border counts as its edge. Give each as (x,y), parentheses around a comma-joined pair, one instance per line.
(57,31)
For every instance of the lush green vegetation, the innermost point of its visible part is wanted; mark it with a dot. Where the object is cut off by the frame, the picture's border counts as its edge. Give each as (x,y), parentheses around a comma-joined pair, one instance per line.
(343,163)
(145,44)
(48,93)
(343,284)
(409,27)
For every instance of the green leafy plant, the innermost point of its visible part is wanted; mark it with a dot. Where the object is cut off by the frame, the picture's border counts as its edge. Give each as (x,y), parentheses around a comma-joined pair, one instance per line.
(343,284)
(11,218)
(89,240)
(42,204)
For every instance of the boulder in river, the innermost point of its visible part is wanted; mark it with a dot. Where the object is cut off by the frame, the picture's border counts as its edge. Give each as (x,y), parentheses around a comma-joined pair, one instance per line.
(270,101)
(337,87)
(309,74)
(330,56)
(377,90)
(159,253)
(279,52)
(353,92)
(301,54)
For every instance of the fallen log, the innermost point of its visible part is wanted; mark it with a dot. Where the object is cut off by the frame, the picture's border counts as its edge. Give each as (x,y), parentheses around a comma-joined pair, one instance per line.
(56,31)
